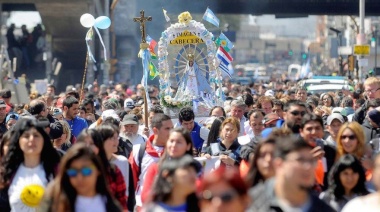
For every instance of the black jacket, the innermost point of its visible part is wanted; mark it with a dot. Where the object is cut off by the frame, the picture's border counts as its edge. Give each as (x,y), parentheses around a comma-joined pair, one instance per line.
(265,200)
(360,114)
(370,132)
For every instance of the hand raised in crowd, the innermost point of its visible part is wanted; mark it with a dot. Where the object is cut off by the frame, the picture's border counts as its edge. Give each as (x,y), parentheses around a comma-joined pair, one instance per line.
(227,160)
(318,152)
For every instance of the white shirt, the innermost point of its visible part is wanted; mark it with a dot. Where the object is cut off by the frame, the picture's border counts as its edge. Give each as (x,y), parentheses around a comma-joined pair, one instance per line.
(147,160)
(27,188)
(90,204)
(367,203)
(122,163)
(248,129)
(242,130)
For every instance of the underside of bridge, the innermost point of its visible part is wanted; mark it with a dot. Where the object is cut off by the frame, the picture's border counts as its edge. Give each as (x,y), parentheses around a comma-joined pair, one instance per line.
(61,21)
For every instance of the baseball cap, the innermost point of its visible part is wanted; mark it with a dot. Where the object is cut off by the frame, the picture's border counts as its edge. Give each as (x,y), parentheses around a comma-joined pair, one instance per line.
(130,119)
(374,115)
(56,130)
(333,116)
(269,93)
(337,110)
(110,113)
(57,111)
(128,103)
(271,118)
(2,103)
(11,116)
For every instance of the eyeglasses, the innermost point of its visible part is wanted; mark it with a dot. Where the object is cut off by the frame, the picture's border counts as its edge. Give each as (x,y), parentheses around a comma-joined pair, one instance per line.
(85,172)
(351,137)
(326,99)
(225,197)
(296,113)
(371,91)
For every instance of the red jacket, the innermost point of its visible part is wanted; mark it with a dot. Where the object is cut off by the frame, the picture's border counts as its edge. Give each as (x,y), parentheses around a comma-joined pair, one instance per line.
(148,182)
(118,187)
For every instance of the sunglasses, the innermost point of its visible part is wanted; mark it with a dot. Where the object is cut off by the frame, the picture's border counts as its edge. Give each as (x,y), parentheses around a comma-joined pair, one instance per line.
(351,137)
(296,113)
(224,197)
(85,172)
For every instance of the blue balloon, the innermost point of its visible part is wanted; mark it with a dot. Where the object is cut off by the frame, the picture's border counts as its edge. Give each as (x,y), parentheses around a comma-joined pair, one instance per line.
(102,22)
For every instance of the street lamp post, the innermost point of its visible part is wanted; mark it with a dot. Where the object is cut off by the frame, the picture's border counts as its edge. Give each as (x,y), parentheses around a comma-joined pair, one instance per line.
(339,35)
(375,38)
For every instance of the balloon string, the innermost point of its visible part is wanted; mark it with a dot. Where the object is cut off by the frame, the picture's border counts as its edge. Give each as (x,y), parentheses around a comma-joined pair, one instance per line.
(101,41)
(84,76)
(88,39)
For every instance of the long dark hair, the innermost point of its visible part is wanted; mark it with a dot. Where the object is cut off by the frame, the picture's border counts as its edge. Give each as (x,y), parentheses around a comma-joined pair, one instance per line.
(346,162)
(162,187)
(214,130)
(254,176)
(49,157)
(65,195)
(186,135)
(98,142)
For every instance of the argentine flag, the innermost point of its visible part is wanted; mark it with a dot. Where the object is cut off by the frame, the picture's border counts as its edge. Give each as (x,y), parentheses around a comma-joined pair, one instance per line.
(210,17)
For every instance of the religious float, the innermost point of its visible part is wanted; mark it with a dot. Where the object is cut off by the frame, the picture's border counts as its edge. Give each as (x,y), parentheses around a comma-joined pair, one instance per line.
(189,73)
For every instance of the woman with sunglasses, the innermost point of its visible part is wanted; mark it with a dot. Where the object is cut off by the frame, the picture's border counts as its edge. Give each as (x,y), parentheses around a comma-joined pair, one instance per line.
(261,167)
(80,185)
(346,181)
(228,149)
(350,140)
(114,176)
(178,145)
(223,191)
(327,100)
(29,165)
(175,186)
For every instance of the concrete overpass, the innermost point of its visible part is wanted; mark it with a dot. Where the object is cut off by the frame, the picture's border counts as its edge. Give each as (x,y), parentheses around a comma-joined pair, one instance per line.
(61,19)
(65,33)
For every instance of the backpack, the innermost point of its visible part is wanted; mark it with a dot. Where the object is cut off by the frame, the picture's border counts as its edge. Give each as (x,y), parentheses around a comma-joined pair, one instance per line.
(131,188)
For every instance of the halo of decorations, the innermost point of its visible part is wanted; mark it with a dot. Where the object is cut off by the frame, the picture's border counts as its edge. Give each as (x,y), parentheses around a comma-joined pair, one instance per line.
(185,24)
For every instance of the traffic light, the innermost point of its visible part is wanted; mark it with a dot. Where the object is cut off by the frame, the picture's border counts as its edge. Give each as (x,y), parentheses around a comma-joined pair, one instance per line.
(290,53)
(351,62)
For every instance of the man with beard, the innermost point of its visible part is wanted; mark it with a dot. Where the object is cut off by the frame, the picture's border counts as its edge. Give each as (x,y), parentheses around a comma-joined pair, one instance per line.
(129,137)
(289,190)
(293,112)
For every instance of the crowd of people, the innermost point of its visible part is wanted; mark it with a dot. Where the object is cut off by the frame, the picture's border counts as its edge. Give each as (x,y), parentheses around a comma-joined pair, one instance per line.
(276,146)
(28,47)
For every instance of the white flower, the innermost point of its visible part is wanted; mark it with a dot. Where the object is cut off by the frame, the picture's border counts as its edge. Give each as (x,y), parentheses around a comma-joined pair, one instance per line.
(168,99)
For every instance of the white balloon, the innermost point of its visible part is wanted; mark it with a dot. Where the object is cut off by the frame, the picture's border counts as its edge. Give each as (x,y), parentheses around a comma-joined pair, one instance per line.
(87,20)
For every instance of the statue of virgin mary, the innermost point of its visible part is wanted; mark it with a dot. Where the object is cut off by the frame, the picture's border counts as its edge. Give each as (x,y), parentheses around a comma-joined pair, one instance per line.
(193,82)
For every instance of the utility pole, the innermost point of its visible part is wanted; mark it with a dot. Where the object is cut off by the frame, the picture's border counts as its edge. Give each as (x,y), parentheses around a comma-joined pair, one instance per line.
(106,36)
(360,40)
